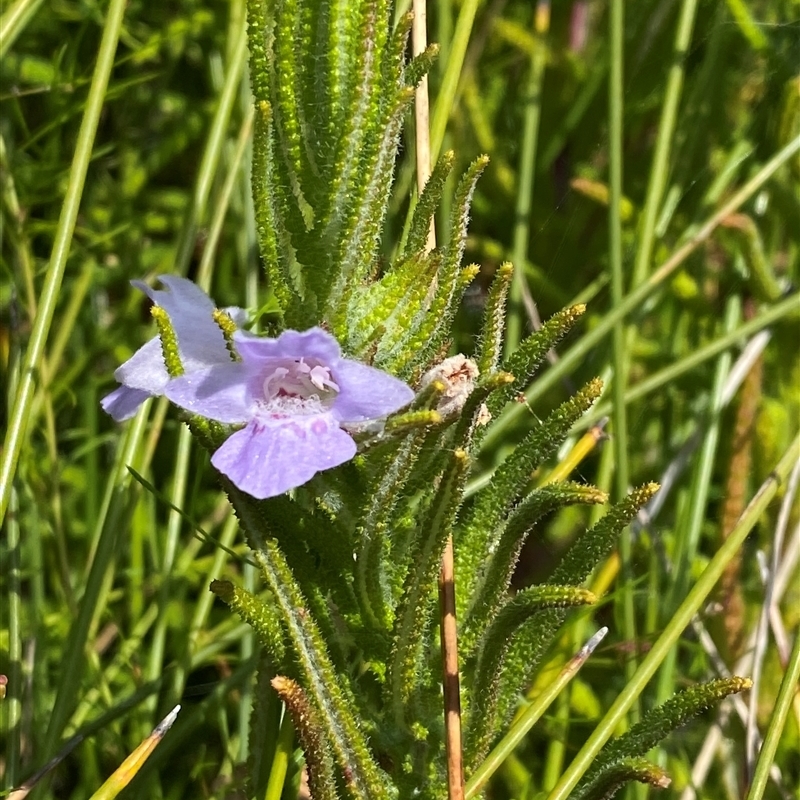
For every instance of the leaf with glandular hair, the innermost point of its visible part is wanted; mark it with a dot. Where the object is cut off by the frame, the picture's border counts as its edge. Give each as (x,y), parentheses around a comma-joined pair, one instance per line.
(462,203)
(494,578)
(656,725)
(513,477)
(290,52)
(415,606)
(482,719)
(585,554)
(630,769)
(393,65)
(420,65)
(532,351)
(363,131)
(259,37)
(390,303)
(330,690)
(373,542)
(427,204)
(361,232)
(598,542)
(368,193)
(275,240)
(294,529)
(333,72)
(357,37)
(305,718)
(425,333)
(435,346)
(490,346)
(260,615)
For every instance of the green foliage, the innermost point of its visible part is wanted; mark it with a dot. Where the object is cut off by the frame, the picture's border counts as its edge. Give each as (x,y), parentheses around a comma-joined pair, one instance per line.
(259,614)
(625,771)
(109,578)
(318,761)
(654,727)
(495,576)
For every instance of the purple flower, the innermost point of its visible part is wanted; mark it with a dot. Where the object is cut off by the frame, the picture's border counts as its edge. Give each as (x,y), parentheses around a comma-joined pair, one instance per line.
(292,394)
(200,343)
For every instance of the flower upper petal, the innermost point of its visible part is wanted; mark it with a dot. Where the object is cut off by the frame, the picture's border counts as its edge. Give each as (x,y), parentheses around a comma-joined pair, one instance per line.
(267,459)
(313,343)
(200,340)
(366,392)
(123,402)
(219,392)
(145,369)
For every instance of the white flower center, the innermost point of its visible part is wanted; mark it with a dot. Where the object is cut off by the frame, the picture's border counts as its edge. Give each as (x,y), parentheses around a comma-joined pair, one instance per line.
(296,386)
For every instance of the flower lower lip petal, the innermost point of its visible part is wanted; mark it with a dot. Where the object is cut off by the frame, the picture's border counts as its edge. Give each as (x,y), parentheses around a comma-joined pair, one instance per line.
(266,460)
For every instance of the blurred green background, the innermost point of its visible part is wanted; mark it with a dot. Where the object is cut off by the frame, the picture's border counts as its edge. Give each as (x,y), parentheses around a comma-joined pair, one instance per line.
(167,190)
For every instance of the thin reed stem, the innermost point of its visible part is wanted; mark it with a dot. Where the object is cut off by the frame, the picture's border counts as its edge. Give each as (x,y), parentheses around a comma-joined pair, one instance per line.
(447,593)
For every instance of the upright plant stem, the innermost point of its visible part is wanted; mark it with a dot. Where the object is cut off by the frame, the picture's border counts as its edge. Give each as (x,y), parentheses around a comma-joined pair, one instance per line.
(422,110)
(776,723)
(659,169)
(527,174)
(14,20)
(695,512)
(20,414)
(447,595)
(619,413)
(446,98)
(211,154)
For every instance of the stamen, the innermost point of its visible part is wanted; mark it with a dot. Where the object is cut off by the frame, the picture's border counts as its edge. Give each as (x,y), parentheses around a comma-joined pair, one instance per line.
(299,381)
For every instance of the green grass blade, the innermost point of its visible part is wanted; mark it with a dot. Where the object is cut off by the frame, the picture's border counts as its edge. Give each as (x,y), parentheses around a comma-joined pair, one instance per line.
(14,21)
(20,414)
(634,300)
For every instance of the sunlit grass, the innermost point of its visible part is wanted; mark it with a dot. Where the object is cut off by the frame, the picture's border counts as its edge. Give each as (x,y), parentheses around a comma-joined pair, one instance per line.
(109,621)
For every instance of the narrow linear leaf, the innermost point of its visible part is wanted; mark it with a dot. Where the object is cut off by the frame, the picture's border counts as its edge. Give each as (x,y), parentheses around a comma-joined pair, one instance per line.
(305,718)
(259,33)
(598,542)
(427,332)
(582,557)
(657,725)
(374,537)
(421,65)
(514,475)
(528,357)
(482,723)
(415,605)
(630,769)
(365,779)
(427,204)
(273,239)
(490,347)
(360,233)
(261,616)
(496,576)
(290,127)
